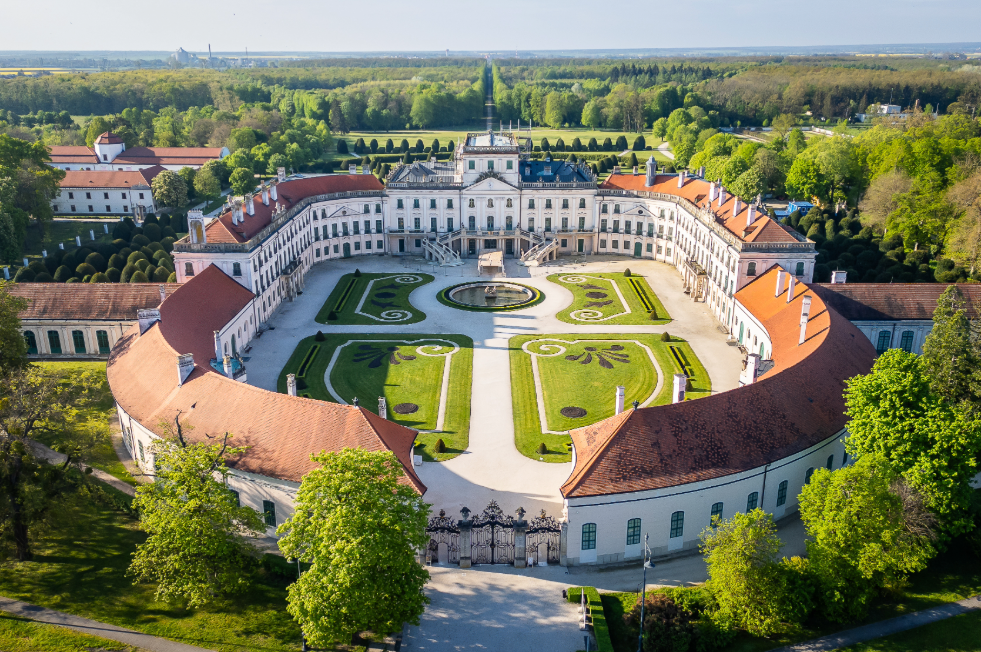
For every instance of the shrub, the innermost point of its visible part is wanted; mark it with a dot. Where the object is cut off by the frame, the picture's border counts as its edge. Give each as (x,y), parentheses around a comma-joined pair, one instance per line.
(43,277)
(135,256)
(150,271)
(97,261)
(113,275)
(652,314)
(99,277)
(116,261)
(626,272)
(85,270)
(357,273)
(163,221)
(331,316)
(51,263)
(139,277)
(128,272)
(542,449)
(140,240)
(167,244)
(601,629)
(150,219)
(667,627)
(172,278)
(161,275)
(665,337)
(440,446)
(86,278)
(37,267)
(62,274)
(319,337)
(142,264)
(107,250)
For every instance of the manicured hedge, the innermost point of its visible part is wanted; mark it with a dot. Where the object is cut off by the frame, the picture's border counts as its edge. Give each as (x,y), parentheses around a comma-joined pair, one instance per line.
(601,630)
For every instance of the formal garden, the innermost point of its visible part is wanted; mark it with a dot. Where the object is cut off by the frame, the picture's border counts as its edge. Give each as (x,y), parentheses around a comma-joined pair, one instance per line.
(604,298)
(425,380)
(562,382)
(373,299)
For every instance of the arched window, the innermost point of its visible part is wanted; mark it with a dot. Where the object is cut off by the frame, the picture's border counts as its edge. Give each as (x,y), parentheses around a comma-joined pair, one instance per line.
(54,341)
(831,462)
(751,269)
(716,513)
(102,337)
(782,493)
(752,501)
(633,532)
(800,270)
(807,476)
(510,203)
(906,341)
(588,536)
(885,339)
(78,340)
(472,203)
(677,525)
(31,342)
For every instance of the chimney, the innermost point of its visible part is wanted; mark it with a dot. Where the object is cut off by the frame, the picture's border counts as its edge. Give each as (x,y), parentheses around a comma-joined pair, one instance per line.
(91,234)
(751,215)
(382,407)
(792,281)
(805,312)
(839,276)
(681,179)
(217,345)
(281,174)
(701,172)
(352,169)
(722,195)
(680,384)
(249,205)
(237,211)
(147,318)
(619,399)
(616,169)
(713,191)
(751,367)
(163,293)
(6,273)
(291,384)
(635,170)
(272,191)
(651,172)
(229,369)
(185,365)
(781,275)
(265,196)
(78,241)
(737,206)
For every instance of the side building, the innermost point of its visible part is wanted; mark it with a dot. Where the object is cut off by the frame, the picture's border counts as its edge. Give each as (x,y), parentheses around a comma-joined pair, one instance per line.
(109,153)
(106,192)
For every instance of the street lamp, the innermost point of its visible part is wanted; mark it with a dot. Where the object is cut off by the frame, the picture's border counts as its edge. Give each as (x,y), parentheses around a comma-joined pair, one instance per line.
(643,593)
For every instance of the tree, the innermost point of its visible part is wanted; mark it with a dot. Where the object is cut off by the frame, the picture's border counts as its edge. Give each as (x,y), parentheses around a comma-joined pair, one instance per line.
(206,185)
(404,146)
(96,127)
(660,128)
(748,185)
(894,416)
(242,180)
(28,185)
(218,170)
(276,161)
(188,174)
(804,180)
(13,348)
(744,576)
(867,530)
(198,545)
(169,189)
(782,124)
(554,110)
(964,244)
(879,203)
(592,116)
(640,144)
(359,528)
(950,352)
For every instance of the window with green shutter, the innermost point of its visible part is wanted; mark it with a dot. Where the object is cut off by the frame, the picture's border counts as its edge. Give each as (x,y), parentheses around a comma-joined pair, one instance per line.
(633,532)
(269,512)
(677,525)
(589,536)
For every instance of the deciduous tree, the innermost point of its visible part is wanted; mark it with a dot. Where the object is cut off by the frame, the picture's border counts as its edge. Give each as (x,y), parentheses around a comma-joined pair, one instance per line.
(169,189)
(242,181)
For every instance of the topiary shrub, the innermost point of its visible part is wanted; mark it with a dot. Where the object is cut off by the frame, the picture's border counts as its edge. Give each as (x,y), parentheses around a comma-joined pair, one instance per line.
(652,314)
(331,316)
(119,243)
(62,274)
(86,278)
(542,449)
(440,446)
(85,270)
(139,277)
(99,277)
(357,273)
(665,337)
(43,277)
(113,274)
(128,272)
(142,264)
(97,261)
(167,244)
(135,256)
(319,337)
(172,278)
(626,272)
(37,267)
(150,271)
(140,240)
(161,275)
(153,232)
(116,261)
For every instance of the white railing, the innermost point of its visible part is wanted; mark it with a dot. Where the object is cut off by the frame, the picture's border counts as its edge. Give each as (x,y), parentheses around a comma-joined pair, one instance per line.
(440,252)
(539,253)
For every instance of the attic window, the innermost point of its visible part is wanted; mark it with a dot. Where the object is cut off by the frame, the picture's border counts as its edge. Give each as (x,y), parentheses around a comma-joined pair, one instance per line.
(548,169)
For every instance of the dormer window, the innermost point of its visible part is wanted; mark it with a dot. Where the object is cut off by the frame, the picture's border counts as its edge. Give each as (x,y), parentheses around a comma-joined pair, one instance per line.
(548,169)
(510,165)
(490,165)
(527,170)
(472,165)
(105,157)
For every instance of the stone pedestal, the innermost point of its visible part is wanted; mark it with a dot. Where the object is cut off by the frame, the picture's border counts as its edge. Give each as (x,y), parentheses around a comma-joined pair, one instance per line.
(520,543)
(466,532)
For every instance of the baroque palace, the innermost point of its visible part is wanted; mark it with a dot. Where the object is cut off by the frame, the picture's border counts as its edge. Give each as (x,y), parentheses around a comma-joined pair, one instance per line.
(676,465)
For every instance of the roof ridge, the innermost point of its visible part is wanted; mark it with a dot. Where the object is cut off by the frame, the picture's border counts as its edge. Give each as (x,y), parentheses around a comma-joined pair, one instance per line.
(589,462)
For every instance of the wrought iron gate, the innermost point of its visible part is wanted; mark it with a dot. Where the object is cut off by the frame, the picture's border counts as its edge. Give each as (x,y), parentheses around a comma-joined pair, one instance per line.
(492,539)
(543,539)
(443,530)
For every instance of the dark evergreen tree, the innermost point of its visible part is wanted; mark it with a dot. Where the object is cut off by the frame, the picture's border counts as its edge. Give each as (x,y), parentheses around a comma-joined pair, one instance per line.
(404,146)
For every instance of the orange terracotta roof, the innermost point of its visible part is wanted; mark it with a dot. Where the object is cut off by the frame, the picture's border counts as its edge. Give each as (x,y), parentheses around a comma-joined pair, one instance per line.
(109,178)
(168,155)
(893,301)
(696,191)
(108,138)
(796,404)
(289,193)
(73,154)
(281,431)
(88,301)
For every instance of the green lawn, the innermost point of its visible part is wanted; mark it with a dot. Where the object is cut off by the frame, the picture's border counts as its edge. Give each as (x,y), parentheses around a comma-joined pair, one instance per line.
(588,382)
(65,232)
(79,567)
(958,634)
(22,635)
(595,301)
(91,425)
(372,299)
(405,369)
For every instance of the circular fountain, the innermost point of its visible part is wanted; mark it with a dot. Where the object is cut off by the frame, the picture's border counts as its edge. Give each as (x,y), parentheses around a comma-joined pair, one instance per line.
(490,296)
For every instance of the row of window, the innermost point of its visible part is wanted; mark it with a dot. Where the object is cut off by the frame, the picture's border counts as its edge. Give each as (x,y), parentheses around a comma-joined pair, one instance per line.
(268,509)
(508,165)
(78,340)
(885,342)
(751,269)
(105,195)
(56,209)
(508,203)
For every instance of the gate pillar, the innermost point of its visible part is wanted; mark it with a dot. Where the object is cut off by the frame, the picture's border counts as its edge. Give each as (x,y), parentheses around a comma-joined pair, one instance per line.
(520,539)
(466,530)
(564,544)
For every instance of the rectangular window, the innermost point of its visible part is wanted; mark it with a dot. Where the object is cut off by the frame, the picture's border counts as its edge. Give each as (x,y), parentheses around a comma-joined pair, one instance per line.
(582,223)
(626,227)
(417,223)
(401,224)
(564,243)
(906,342)
(367,244)
(415,203)
(677,525)
(807,476)
(449,224)
(54,341)
(548,203)
(650,230)
(105,195)
(91,208)
(333,230)
(633,532)
(378,226)
(831,462)
(589,536)
(398,203)
(73,208)
(531,203)
(432,203)
(356,225)
(140,445)
(531,223)
(490,165)
(71,195)
(565,203)
(471,165)
(716,513)
(752,500)
(380,244)
(616,244)
(885,339)
(782,494)
(357,246)
(365,208)
(344,228)
(510,164)
(418,242)
(124,195)
(602,244)
(548,223)
(603,209)
(602,226)
(78,339)
(269,512)
(141,195)
(188,269)
(88,195)
(367,226)
(378,209)
(432,224)
(236,269)
(616,226)
(650,247)
(616,208)
(565,223)
(449,203)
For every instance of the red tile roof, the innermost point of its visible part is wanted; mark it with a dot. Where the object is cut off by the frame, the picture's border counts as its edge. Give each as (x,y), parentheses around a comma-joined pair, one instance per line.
(893,301)
(168,155)
(696,191)
(109,178)
(281,431)
(796,404)
(289,193)
(73,154)
(88,301)
(108,138)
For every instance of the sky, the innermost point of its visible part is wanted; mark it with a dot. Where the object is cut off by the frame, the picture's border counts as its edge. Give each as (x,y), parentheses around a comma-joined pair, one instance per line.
(374,25)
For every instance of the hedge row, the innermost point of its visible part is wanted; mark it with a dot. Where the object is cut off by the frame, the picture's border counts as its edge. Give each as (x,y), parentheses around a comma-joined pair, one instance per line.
(601,629)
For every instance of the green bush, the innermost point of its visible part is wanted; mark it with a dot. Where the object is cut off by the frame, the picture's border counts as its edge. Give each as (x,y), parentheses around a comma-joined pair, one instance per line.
(97,261)
(135,256)
(116,261)
(62,274)
(542,449)
(357,273)
(142,264)
(113,274)
(139,277)
(440,446)
(99,277)
(128,272)
(331,316)
(85,270)
(140,240)
(601,630)
(43,277)
(161,275)
(172,278)
(665,337)
(319,337)
(626,272)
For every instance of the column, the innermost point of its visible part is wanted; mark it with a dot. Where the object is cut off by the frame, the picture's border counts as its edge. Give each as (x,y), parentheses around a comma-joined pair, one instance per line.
(466,530)
(520,540)
(564,544)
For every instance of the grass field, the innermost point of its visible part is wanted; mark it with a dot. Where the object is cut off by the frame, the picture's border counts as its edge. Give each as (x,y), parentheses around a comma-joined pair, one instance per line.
(405,369)
(372,299)
(22,635)
(80,568)
(595,301)
(91,424)
(958,634)
(574,376)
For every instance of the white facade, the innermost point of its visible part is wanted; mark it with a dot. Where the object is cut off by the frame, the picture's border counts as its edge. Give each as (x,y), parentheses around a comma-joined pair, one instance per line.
(75,338)
(104,201)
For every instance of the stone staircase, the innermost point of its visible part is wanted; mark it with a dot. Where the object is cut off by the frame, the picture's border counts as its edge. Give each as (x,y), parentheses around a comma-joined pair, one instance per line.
(539,253)
(442,253)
